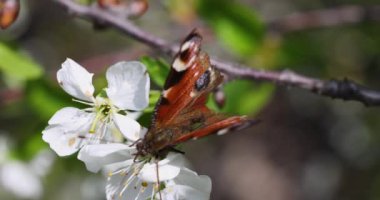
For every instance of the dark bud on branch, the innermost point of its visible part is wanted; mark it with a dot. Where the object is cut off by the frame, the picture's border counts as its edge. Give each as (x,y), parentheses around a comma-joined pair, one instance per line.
(349,90)
(137,8)
(219,97)
(9,10)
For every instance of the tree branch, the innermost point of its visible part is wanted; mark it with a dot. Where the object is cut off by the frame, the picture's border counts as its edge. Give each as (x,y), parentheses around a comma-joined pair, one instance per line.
(325,18)
(346,90)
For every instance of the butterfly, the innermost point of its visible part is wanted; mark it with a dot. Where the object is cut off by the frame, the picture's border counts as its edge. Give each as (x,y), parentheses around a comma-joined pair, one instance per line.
(181,113)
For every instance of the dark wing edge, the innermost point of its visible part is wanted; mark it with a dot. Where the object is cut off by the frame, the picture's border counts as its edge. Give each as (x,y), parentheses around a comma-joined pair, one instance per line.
(219,127)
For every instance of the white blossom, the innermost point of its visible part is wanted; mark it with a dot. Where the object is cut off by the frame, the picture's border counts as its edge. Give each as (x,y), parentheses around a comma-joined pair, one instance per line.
(130,178)
(108,114)
(23,179)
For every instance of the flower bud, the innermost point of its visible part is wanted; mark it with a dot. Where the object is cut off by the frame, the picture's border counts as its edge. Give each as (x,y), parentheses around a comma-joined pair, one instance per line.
(9,10)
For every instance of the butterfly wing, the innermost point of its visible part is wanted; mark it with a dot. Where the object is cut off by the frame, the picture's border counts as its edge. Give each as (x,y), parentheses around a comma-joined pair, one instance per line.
(187,67)
(181,113)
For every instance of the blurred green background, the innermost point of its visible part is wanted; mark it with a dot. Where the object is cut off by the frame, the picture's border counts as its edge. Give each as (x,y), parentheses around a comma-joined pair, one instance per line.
(306,147)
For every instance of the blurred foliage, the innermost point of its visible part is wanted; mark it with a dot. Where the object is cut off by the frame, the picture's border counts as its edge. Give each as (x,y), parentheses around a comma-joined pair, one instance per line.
(16,66)
(237,26)
(46,99)
(244,97)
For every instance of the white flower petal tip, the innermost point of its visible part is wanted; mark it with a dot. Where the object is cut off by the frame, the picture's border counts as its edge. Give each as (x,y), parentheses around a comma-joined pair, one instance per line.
(68,130)
(98,156)
(188,177)
(128,127)
(166,172)
(76,80)
(168,168)
(128,85)
(63,144)
(188,185)
(68,115)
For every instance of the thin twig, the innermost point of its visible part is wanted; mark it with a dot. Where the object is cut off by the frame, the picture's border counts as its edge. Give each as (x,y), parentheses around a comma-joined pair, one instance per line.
(346,90)
(343,15)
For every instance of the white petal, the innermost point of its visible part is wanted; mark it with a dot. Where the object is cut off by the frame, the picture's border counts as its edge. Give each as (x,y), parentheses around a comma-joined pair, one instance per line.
(97,156)
(73,119)
(188,177)
(17,178)
(68,130)
(128,85)
(187,186)
(127,126)
(113,134)
(115,167)
(116,184)
(183,192)
(134,115)
(62,142)
(65,115)
(168,168)
(143,132)
(166,172)
(76,80)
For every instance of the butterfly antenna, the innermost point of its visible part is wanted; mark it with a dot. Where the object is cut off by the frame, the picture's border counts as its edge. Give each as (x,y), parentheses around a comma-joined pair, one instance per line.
(158,180)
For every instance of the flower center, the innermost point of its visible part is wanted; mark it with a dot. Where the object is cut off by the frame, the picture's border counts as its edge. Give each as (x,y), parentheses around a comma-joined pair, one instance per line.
(105,109)
(102,114)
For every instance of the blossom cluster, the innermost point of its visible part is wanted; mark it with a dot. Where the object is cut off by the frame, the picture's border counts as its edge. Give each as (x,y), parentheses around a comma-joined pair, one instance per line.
(105,132)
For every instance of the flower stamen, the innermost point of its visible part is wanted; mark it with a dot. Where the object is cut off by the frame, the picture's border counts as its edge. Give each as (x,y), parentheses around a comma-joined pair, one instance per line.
(83,102)
(99,114)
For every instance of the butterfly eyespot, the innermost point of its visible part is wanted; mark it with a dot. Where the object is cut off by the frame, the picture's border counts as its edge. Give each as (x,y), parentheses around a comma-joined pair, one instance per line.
(203,81)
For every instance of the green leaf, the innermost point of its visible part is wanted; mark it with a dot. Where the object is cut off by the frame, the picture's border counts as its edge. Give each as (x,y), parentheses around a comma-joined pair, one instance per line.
(157,68)
(154,95)
(16,65)
(32,147)
(46,99)
(146,117)
(238,27)
(244,97)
